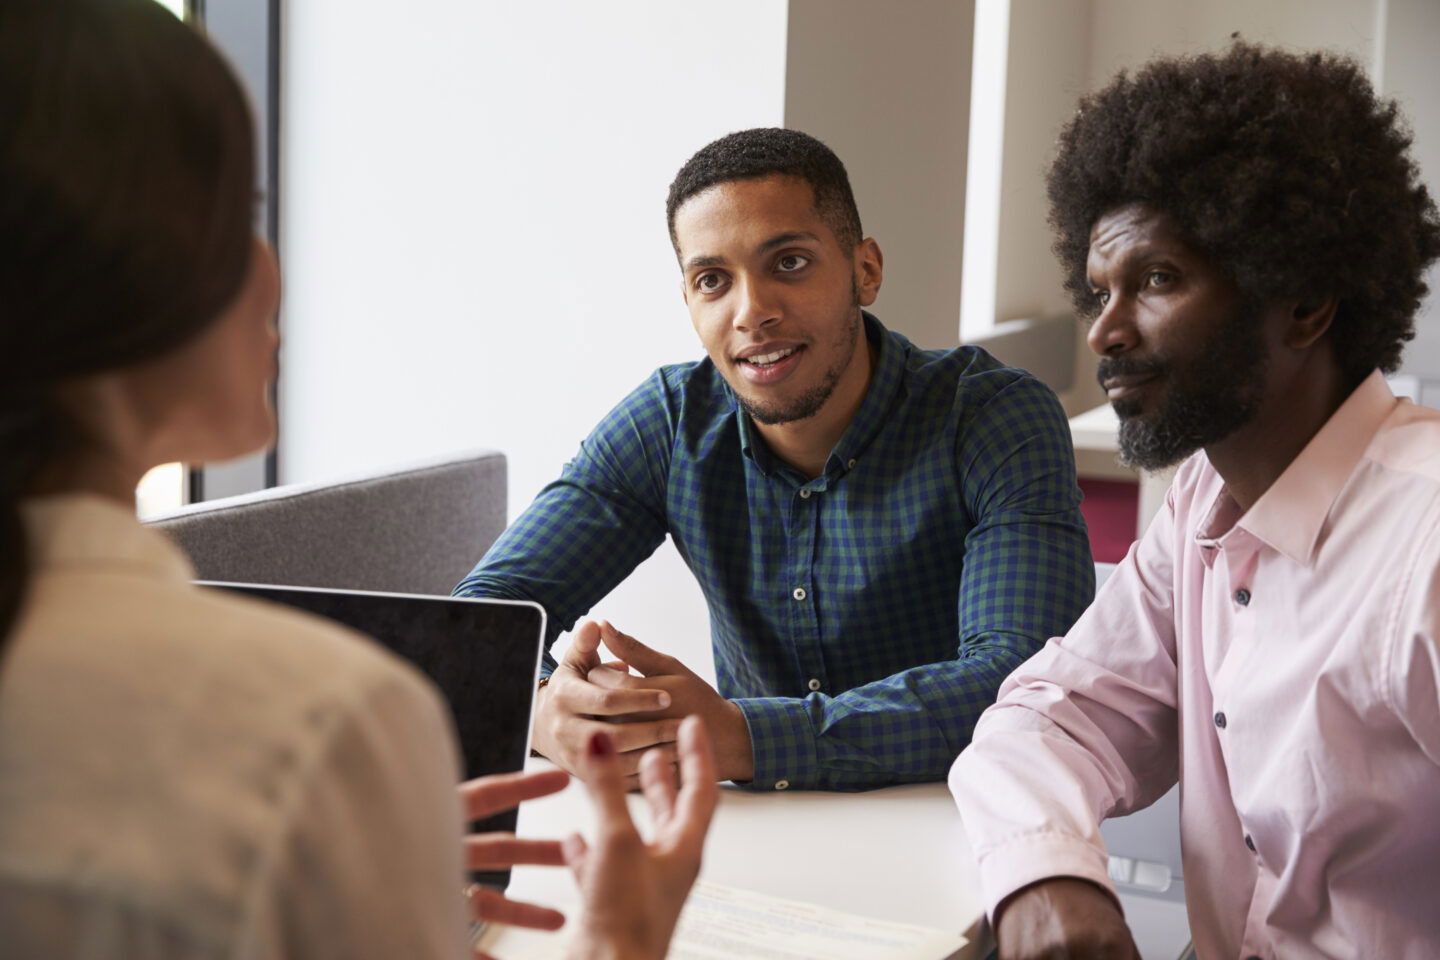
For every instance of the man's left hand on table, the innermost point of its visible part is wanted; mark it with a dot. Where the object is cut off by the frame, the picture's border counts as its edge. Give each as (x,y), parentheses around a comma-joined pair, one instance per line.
(689,694)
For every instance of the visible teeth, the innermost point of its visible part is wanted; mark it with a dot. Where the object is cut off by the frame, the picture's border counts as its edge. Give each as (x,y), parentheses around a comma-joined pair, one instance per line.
(764,360)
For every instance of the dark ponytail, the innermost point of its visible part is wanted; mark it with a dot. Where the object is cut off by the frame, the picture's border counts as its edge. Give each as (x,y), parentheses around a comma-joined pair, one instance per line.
(126,194)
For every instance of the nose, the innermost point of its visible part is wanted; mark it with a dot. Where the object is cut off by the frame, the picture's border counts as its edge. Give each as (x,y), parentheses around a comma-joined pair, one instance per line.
(1114,331)
(756,306)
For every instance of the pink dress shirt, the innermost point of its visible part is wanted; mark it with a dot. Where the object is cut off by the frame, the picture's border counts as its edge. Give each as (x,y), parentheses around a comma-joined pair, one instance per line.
(1284,665)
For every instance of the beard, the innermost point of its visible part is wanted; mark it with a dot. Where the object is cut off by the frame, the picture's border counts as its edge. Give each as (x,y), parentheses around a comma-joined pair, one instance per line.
(808,404)
(1206,397)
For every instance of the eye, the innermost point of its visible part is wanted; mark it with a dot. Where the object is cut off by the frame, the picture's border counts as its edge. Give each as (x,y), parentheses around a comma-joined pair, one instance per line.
(1158,278)
(709,282)
(1102,297)
(791,262)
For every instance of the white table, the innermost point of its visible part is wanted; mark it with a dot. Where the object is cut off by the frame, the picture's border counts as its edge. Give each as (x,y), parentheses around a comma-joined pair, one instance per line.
(896,854)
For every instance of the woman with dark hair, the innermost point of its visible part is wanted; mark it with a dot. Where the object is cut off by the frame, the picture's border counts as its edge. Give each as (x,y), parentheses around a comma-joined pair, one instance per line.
(182,773)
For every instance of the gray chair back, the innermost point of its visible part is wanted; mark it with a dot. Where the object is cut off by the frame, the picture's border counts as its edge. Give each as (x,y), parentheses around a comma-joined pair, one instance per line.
(416,528)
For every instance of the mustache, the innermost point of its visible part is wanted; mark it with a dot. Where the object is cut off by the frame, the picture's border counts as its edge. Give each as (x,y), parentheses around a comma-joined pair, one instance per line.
(1126,367)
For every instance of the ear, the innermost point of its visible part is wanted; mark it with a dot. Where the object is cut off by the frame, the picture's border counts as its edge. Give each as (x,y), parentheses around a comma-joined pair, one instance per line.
(869,270)
(1309,319)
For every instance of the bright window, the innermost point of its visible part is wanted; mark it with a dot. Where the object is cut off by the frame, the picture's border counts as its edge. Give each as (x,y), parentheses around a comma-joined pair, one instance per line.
(163,488)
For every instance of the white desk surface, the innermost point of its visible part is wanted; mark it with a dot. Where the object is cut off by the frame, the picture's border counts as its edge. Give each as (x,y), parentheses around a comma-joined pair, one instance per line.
(896,854)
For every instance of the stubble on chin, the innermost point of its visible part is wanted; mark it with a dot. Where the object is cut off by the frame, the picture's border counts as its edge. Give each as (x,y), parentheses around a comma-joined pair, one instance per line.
(808,404)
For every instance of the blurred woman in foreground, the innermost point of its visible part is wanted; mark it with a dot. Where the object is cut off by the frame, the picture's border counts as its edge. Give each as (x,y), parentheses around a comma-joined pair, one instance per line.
(184,773)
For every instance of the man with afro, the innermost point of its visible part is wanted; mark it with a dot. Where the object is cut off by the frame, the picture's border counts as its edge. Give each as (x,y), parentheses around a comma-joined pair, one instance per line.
(1246,235)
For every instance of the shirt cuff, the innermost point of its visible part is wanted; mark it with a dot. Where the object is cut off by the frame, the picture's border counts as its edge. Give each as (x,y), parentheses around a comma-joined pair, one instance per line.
(782,743)
(1033,857)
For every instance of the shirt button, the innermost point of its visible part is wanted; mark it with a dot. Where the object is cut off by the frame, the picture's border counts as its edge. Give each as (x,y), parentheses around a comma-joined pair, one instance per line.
(804,494)
(850,464)
(813,684)
(1242,596)
(799,593)
(1220,720)
(1249,843)
(782,784)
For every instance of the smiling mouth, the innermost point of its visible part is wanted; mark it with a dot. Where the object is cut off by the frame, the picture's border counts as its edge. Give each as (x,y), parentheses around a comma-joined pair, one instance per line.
(769,359)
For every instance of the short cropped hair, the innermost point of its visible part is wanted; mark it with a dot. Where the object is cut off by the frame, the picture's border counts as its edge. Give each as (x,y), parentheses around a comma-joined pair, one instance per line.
(1285,170)
(769,151)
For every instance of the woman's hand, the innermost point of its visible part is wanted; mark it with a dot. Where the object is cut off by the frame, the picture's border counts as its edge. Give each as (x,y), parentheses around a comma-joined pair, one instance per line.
(632,891)
(500,851)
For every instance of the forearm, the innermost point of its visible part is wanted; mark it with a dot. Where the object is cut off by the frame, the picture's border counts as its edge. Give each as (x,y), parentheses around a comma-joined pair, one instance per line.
(570,548)
(905,728)
(1047,764)
(1029,799)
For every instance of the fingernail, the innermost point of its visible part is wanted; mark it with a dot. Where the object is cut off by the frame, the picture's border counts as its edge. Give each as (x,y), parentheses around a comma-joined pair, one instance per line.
(600,744)
(663,700)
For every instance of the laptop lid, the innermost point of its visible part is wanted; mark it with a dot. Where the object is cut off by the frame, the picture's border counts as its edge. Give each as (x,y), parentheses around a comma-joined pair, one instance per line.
(484,655)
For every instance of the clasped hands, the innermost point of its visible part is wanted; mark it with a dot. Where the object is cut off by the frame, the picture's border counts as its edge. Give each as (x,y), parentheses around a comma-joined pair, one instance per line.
(641,714)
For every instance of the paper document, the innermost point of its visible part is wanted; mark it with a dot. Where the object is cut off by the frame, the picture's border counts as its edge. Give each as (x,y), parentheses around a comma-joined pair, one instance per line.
(721,923)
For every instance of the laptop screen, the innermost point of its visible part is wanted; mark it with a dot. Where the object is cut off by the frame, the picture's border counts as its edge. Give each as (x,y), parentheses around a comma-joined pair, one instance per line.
(484,655)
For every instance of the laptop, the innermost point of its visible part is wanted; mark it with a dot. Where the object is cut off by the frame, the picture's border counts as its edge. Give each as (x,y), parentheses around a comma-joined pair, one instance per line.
(484,655)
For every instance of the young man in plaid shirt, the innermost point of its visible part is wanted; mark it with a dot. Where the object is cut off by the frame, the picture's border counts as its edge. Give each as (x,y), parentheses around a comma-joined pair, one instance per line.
(882,533)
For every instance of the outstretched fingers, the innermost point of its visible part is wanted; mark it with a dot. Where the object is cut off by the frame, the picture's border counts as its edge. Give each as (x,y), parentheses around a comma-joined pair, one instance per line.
(605,778)
(486,795)
(492,906)
(500,851)
(695,803)
(657,781)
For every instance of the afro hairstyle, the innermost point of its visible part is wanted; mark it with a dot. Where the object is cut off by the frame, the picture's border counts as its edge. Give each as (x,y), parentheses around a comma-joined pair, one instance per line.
(1284,169)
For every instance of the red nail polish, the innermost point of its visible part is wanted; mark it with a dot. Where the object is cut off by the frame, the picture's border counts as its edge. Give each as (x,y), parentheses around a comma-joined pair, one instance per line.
(600,744)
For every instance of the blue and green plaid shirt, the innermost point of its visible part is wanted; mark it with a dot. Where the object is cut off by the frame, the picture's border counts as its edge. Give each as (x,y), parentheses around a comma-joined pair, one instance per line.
(863,619)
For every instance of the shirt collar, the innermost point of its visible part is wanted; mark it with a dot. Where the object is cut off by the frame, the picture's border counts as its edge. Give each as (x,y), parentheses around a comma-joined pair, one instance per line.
(85,530)
(1290,515)
(885,380)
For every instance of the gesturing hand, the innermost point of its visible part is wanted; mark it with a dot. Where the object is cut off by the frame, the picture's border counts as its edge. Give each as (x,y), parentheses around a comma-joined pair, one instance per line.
(571,708)
(500,851)
(1063,919)
(632,891)
(688,694)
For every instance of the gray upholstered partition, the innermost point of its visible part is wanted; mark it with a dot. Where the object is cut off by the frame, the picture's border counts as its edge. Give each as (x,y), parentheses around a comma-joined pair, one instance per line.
(415,528)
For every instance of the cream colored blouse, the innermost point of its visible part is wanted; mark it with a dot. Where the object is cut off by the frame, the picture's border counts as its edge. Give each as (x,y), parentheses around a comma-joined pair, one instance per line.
(187,774)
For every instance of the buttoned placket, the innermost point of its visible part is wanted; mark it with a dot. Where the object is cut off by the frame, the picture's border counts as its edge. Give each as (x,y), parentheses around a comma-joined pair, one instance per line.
(1233,562)
(806,502)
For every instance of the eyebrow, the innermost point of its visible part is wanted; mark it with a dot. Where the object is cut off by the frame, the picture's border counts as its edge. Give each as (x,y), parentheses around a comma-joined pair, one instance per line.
(779,240)
(1142,256)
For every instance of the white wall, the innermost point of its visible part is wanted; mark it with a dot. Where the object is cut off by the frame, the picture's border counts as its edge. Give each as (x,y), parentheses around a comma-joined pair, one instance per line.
(474,237)
(888,88)
(1045,76)
(1126,33)
(1410,72)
